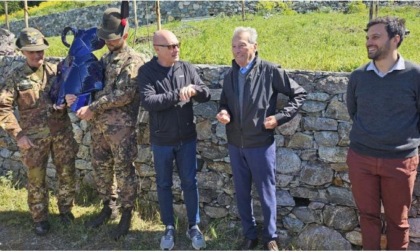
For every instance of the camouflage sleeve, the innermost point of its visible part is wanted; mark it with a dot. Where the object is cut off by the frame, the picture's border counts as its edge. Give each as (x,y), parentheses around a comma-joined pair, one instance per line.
(8,120)
(125,88)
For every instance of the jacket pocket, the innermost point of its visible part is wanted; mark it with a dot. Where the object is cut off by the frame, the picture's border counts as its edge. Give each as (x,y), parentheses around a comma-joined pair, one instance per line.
(27,95)
(34,121)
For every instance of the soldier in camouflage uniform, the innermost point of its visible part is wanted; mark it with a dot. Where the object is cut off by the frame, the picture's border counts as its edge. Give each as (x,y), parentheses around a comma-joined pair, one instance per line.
(113,114)
(42,128)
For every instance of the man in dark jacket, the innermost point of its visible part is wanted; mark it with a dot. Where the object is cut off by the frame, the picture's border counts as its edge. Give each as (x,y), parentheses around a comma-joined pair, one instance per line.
(167,87)
(248,109)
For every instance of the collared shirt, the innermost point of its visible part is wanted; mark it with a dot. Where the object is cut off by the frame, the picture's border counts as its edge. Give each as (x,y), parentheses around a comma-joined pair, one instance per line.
(399,65)
(245,69)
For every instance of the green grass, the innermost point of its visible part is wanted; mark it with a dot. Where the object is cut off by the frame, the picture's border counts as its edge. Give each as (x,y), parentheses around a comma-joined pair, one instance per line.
(314,41)
(46,7)
(145,232)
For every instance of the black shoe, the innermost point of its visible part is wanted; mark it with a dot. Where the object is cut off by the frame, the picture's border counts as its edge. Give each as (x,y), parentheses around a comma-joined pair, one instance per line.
(271,246)
(41,228)
(248,244)
(123,225)
(101,218)
(66,218)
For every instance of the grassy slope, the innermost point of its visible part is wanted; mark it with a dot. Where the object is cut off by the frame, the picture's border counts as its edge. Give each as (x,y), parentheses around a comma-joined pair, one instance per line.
(316,41)
(16,227)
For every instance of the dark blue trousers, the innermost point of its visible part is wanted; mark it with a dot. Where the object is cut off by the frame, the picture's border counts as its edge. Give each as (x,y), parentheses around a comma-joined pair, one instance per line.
(257,165)
(184,155)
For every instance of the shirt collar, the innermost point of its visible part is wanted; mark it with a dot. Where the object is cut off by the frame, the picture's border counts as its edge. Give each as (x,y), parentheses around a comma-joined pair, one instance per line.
(399,65)
(245,69)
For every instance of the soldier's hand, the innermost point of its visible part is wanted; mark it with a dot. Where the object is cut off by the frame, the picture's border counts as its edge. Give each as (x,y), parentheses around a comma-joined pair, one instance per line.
(62,106)
(270,122)
(223,117)
(84,113)
(187,92)
(70,99)
(25,143)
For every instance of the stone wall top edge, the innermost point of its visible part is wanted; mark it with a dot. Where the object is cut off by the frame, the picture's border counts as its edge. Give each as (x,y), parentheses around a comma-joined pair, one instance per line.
(295,71)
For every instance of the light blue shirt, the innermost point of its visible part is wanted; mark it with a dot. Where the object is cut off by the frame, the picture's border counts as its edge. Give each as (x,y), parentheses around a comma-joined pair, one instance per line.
(245,69)
(400,65)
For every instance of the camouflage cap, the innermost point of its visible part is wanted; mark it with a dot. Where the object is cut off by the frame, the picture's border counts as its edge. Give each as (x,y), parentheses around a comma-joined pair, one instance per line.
(30,39)
(112,27)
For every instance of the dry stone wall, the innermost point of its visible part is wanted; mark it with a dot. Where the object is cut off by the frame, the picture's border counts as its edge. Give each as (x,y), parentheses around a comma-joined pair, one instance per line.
(316,210)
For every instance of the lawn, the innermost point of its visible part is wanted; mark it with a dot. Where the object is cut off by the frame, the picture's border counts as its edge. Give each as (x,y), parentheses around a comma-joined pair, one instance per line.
(313,41)
(146,229)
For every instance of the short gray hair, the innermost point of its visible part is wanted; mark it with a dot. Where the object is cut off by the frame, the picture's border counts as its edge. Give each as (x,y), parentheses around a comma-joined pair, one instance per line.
(251,31)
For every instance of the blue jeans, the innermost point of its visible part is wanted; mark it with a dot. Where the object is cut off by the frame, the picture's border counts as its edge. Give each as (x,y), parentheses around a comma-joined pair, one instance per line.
(185,158)
(258,166)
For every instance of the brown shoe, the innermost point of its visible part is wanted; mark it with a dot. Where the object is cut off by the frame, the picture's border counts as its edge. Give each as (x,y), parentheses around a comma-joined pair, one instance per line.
(271,246)
(248,244)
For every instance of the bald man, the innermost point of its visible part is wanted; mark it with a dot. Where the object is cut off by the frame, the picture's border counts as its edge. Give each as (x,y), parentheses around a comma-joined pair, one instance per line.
(167,88)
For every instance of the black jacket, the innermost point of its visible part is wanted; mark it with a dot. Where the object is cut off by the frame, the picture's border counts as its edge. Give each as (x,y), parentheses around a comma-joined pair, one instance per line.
(171,121)
(263,83)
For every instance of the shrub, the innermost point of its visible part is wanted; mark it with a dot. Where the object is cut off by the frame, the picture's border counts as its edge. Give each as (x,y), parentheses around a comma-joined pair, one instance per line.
(285,8)
(269,7)
(264,7)
(356,7)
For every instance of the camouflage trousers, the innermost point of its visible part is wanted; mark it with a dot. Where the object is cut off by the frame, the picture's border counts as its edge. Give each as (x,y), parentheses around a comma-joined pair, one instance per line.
(114,148)
(63,149)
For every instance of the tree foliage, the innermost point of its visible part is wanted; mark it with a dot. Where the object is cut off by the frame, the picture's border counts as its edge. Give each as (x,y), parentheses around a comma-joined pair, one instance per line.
(13,6)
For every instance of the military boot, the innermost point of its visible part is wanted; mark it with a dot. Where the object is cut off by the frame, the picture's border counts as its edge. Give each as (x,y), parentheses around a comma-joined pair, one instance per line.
(101,218)
(124,225)
(41,228)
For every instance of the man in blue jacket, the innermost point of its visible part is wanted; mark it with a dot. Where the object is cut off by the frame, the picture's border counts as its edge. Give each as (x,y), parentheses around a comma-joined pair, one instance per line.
(167,88)
(248,109)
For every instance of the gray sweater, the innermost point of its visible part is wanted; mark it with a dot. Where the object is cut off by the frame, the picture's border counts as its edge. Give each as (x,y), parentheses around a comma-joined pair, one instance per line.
(385,112)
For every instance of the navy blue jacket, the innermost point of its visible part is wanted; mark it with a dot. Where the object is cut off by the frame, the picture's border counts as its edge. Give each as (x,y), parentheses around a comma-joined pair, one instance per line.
(263,84)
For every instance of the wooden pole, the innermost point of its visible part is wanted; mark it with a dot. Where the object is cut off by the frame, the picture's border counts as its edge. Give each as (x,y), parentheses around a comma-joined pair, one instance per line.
(243,10)
(158,15)
(373,9)
(136,25)
(25,10)
(6,13)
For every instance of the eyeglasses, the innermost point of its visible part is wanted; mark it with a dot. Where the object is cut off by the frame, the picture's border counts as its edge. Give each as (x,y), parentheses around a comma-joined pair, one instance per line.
(170,47)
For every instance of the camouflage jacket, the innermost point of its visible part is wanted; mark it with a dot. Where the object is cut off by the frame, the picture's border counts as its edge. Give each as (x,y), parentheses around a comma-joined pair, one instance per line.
(28,90)
(118,103)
